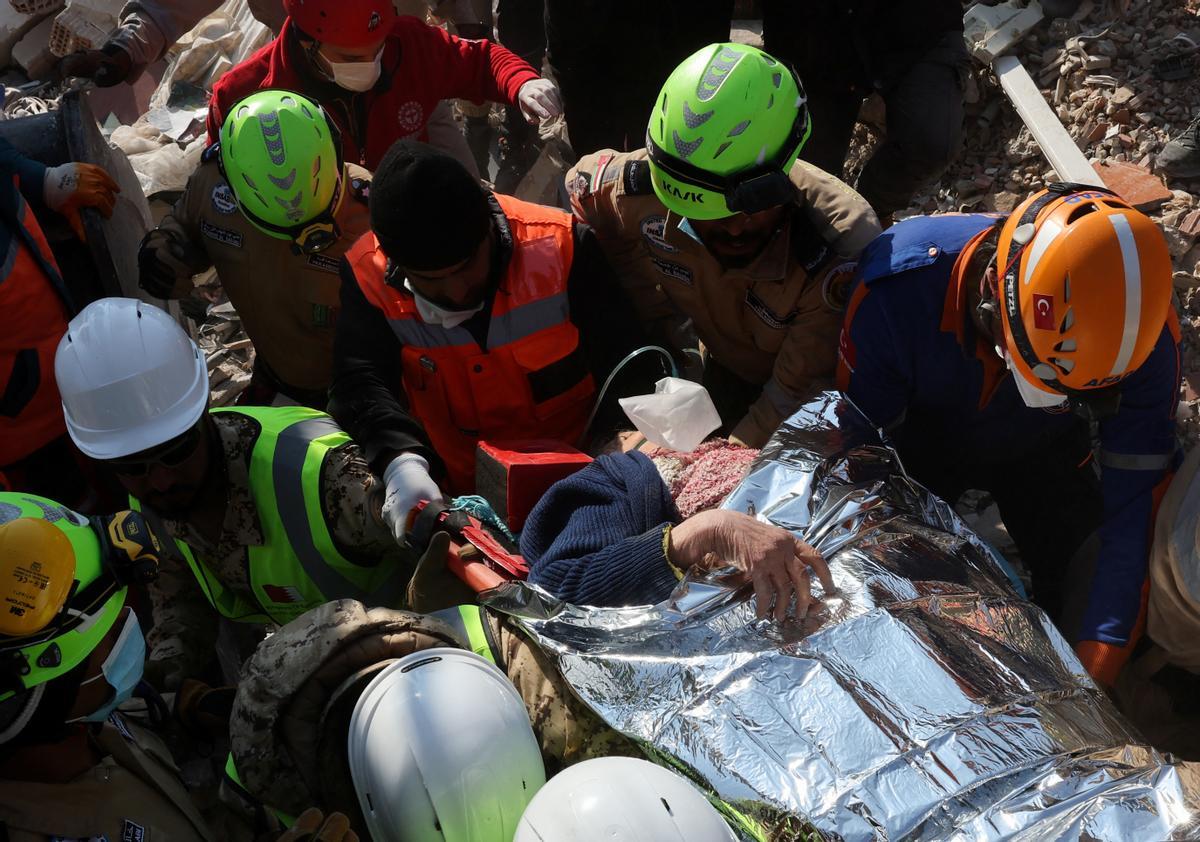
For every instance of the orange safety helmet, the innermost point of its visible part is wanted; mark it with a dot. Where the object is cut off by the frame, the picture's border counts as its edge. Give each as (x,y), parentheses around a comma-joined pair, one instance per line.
(1085,288)
(342,23)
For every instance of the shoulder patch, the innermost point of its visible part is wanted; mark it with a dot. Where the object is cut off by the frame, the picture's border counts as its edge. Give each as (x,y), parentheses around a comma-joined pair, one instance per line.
(131,831)
(637,178)
(654,230)
(835,289)
(223,200)
(580,185)
(211,153)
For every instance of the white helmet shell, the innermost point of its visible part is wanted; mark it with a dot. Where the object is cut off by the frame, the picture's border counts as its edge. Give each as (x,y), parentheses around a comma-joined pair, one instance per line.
(621,799)
(441,750)
(130,378)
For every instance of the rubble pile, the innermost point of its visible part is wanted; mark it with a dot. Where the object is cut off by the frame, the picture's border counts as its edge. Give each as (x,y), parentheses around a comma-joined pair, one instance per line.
(1123,85)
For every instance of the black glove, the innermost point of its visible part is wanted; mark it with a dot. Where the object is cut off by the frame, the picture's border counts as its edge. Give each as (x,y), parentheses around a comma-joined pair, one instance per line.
(108,66)
(161,263)
(130,548)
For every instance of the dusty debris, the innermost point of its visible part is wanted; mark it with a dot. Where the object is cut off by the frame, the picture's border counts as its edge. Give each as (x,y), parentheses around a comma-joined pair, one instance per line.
(228,353)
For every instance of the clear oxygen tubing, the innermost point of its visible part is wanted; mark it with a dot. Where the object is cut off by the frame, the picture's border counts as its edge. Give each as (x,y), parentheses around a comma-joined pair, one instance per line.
(608,380)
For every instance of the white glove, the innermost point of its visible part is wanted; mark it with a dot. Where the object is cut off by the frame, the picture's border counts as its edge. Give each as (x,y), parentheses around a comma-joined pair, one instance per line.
(408,483)
(539,100)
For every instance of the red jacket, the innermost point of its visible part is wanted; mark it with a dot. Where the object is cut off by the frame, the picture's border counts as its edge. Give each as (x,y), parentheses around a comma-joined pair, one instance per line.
(422,65)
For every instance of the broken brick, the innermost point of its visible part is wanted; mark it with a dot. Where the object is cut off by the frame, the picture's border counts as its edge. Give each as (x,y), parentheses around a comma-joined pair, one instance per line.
(1136,185)
(1190,226)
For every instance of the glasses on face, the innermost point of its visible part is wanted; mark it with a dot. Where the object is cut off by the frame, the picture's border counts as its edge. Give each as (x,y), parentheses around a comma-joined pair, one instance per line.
(170,454)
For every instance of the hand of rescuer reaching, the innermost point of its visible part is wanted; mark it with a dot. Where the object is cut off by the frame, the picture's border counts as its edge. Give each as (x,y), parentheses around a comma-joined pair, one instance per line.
(774,560)
(539,100)
(315,826)
(408,483)
(74,185)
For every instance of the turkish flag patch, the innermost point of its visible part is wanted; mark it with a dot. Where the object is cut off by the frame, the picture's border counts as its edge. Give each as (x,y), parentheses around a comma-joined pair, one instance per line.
(1043,312)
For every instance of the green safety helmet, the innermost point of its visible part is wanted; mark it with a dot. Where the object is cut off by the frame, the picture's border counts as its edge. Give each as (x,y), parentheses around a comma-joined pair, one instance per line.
(725,131)
(282,156)
(58,598)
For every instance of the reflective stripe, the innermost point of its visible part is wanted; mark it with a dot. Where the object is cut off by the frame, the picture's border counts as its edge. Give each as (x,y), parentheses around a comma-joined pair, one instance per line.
(232,776)
(1133,292)
(291,451)
(1135,461)
(467,621)
(527,320)
(415,333)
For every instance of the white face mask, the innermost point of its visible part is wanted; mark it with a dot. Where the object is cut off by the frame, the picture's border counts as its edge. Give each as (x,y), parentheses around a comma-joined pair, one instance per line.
(1031,395)
(357,75)
(435,315)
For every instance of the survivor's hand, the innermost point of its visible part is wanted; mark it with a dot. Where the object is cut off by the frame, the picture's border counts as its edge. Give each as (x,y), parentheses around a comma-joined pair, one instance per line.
(774,560)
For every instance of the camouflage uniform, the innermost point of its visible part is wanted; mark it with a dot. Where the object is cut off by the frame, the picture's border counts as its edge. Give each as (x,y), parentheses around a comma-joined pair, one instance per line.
(184,632)
(288,726)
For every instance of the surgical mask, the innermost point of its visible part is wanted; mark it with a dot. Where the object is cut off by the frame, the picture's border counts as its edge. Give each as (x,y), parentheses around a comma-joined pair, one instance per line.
(357,75)
(435,315)
(122,669)
(1031,395)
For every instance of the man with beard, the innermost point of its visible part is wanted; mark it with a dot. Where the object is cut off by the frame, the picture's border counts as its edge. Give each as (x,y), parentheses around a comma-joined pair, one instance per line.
(717,228)
(273,509)
(469,316)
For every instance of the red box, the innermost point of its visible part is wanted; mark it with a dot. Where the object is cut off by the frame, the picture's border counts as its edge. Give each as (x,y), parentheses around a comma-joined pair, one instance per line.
(513,475)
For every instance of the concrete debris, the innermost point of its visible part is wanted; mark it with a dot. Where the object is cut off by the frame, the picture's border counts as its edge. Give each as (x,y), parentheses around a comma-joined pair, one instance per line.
(228,353)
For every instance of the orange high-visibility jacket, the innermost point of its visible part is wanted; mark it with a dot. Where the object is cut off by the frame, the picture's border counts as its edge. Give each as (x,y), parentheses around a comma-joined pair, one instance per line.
(33,317)
(514,388)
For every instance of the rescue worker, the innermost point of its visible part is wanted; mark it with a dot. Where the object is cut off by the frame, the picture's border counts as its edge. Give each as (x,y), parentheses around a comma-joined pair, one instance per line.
(71,651)
(379,75)
(499,319)
(297,740)
(274,224)
(981,344)
(273,509)
(911,53)
(717,223)
(149,28)
(35,304)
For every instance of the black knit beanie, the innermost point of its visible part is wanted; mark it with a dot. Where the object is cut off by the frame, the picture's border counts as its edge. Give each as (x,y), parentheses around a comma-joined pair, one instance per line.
(427,211)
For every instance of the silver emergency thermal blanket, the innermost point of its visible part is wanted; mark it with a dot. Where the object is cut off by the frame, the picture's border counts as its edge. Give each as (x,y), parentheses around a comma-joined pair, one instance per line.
(926,699)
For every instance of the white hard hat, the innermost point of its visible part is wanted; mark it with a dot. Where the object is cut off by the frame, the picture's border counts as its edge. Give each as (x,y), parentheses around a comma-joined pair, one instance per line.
(441,750)
(130,378)
(621,799)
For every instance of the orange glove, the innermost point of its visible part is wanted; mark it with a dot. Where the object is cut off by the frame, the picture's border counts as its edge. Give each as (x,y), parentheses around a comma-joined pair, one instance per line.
(76,185)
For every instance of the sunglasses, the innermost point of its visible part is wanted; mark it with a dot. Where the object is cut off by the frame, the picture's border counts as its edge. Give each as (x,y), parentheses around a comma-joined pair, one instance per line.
(170,454)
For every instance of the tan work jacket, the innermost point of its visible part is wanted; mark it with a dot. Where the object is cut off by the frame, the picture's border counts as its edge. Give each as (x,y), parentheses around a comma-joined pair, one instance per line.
(288,303)
(134,793)
(774,322)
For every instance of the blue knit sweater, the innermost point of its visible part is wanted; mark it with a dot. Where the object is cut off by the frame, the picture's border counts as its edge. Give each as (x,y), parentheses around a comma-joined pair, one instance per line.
(596,537)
